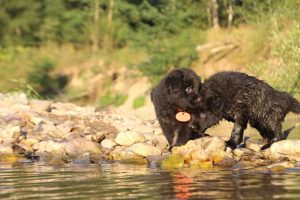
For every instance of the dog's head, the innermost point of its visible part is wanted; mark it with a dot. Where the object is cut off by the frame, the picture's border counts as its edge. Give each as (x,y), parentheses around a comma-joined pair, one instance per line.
(210,110)
(183,86)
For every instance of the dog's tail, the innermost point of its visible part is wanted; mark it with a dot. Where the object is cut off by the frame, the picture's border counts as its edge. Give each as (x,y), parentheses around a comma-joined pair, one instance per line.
(295,105)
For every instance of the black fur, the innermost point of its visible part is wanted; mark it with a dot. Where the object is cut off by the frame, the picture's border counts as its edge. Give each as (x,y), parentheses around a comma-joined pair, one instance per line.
(171,96)
(243,99)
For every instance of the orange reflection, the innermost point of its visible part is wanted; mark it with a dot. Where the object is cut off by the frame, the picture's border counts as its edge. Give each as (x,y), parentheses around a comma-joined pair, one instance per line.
(182,186)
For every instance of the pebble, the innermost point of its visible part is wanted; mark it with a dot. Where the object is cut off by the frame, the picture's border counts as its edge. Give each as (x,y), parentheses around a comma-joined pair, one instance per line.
(108,144)
(145,150)
(58,132)
(128,138)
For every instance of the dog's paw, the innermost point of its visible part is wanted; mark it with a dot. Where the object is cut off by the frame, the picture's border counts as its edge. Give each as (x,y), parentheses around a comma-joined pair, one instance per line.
(266,146)
(231,144)
(196,135)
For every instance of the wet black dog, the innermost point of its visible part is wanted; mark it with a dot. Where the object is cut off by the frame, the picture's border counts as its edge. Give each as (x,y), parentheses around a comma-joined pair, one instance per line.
(177,93)
(243,99)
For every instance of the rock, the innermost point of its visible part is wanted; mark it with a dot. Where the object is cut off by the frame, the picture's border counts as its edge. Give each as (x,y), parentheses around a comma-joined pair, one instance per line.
(10,132)
(6,150)
(212,144)
(49,147)
(98,137)
(155,161)
(243,165)
(173,162)
(108,144)
(11,158)
(125,155)
(158,132)
(242,154)
(59,108)
(253,145)
(40,105)
(162,143)
(202,165)
(280,166)
(145,149)
(65,127)
(222,158)
(128,138)
(209,144)
(80,146)
(202,150)
(285,149)
(50,131)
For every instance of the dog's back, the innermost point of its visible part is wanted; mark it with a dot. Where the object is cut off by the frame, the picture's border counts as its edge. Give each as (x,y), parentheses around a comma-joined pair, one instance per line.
(257,98)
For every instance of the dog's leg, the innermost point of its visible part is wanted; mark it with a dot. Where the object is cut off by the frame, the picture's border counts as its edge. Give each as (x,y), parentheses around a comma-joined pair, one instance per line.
(237,134)
(278,135)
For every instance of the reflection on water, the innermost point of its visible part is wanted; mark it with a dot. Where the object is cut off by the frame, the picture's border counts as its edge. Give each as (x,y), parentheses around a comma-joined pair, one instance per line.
(117,181)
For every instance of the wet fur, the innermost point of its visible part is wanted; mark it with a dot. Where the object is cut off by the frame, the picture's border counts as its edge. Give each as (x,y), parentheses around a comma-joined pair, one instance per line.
(243,99)
(170,97)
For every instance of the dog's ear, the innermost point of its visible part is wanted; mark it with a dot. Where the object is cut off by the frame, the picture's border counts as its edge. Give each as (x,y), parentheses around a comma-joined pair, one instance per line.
(174,80)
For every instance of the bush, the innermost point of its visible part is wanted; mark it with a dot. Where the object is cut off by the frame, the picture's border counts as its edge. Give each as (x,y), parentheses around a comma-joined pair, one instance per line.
(40,77)
(138,102)
(109,99)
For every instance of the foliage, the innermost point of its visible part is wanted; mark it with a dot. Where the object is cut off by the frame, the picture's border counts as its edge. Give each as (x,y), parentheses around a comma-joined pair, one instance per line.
(138,102)
(287,47)
(280,33)
(27,89)
(112,99)
(41,79)
(165,32)
(106,100)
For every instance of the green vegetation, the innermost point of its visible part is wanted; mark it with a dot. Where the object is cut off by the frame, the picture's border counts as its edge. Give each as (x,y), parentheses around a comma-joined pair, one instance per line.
(138,102)
(112,99)
(41,39)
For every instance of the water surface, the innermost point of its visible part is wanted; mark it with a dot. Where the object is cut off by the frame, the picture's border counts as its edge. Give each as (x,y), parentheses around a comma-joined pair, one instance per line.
(119,181)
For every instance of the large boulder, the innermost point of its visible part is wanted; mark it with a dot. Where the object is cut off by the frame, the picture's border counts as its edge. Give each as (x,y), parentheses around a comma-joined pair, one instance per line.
(289,149)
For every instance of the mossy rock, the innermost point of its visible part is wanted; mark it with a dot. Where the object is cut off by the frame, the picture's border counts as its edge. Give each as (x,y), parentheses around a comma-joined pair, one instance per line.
(173,162)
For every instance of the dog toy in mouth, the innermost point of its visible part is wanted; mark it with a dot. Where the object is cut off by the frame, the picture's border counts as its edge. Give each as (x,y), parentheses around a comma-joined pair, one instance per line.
(183,116)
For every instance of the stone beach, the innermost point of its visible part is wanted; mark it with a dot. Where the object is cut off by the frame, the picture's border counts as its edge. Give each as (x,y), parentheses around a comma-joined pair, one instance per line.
(34,130)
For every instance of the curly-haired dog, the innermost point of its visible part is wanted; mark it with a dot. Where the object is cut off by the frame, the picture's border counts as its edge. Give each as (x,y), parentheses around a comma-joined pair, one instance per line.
(174,99)
(243,99)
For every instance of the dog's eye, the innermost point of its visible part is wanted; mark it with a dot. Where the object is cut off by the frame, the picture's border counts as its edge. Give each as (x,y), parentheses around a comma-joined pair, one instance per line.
(189,89)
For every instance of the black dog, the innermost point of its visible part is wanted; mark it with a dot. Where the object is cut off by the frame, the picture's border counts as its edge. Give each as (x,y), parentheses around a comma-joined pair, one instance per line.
(242,99)
(177,94)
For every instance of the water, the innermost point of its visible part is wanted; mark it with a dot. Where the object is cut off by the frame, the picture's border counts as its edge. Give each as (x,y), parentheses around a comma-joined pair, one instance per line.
(119,181)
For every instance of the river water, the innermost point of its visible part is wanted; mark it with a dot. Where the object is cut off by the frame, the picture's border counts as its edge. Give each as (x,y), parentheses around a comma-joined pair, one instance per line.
(124,181)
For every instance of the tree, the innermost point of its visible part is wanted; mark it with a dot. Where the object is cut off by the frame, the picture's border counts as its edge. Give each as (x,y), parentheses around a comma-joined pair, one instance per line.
(95,36)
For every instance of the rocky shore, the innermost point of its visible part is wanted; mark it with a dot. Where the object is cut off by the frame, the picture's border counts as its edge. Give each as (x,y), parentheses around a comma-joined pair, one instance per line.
(55,132)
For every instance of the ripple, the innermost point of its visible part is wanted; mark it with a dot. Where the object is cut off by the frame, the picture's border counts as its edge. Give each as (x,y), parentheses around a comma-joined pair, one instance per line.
(117,181)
